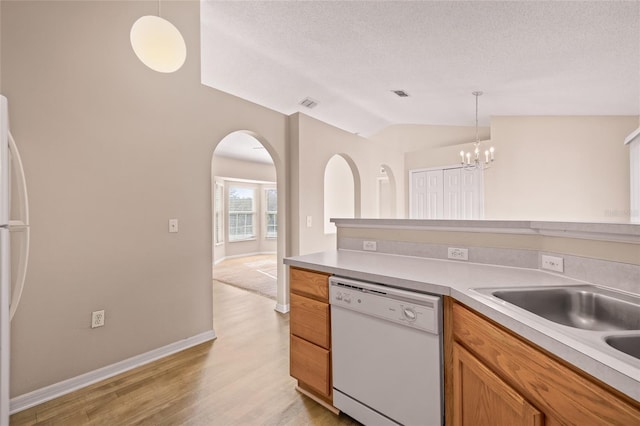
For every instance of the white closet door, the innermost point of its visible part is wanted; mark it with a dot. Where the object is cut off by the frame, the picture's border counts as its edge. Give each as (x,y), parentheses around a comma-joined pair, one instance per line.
(434,195)
(446,194)
(452,201)
(418,195)
(470,194)
(426,195)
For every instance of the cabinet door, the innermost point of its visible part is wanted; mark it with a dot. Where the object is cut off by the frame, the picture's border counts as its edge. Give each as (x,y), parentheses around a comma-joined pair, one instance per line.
(482,398)
(310,320)
(310,364)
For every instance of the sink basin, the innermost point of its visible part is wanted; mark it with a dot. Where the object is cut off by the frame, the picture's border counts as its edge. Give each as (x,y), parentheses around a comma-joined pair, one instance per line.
(585,307)
(629,344)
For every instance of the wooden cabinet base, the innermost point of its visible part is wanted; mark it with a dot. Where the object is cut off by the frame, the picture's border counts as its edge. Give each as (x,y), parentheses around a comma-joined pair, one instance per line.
(486,361)
(318,399)
(310,335)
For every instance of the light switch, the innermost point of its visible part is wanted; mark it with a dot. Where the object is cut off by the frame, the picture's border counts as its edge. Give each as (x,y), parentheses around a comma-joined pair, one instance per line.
(173,225)
(309,221)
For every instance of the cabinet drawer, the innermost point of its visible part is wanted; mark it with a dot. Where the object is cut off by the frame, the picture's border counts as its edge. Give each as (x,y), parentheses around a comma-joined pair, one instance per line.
(310,284)
(310,320)
(311,365)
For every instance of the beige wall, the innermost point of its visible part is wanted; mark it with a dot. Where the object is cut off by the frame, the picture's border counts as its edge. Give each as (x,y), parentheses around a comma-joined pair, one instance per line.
(112,150)
(415,137)
(550,168)
(559,168)
(313,143)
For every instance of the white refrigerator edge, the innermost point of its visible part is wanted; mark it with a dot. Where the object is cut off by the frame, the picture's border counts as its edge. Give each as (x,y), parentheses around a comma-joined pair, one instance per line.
(14,238)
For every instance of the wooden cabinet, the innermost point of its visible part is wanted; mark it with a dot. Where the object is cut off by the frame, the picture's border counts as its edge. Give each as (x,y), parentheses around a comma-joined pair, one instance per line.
(310,328)
(482,398)
(494,377)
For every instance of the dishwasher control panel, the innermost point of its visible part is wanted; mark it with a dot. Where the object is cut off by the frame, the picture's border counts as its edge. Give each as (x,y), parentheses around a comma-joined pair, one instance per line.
(415,310)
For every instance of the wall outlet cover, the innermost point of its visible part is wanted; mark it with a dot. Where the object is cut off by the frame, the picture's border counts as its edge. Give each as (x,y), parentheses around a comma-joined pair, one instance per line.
(552,263)
(97,319)
(369,245)
(458,253)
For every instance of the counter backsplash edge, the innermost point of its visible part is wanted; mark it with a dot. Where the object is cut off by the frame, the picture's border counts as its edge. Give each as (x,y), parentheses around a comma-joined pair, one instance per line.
(619,275)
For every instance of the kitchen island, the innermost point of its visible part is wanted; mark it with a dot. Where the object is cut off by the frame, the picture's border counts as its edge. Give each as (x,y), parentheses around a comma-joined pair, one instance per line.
(605,372)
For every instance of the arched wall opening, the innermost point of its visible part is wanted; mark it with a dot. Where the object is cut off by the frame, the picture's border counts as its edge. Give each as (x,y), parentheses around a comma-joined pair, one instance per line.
(386,193)
(269,191)
(341,190)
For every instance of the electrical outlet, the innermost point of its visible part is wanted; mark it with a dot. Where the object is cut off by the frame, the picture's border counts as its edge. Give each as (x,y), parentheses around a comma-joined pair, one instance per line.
(369,245)
(97,319)
(173,225)
(458,253)
(553,263)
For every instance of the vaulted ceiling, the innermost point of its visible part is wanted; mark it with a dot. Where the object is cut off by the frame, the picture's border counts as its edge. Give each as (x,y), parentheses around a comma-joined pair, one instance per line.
(529,58)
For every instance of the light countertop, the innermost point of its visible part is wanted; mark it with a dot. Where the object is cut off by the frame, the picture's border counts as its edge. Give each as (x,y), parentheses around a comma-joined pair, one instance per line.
(458,279)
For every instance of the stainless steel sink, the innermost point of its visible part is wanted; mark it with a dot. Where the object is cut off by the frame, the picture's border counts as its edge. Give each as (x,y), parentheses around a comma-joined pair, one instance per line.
(584,307)
(629,344)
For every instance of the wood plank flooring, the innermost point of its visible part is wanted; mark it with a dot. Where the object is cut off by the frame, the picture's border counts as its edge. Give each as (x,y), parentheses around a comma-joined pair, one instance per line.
(242,378)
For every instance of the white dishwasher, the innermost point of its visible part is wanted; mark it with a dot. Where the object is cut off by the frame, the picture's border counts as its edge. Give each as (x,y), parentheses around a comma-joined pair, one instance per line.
(386,353)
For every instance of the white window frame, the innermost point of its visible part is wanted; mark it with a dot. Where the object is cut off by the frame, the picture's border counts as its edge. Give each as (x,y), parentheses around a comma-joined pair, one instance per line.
(252,213)
(218,213)
(268,212)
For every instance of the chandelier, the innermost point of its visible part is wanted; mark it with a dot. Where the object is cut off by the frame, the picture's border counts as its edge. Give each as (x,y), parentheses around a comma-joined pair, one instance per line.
(472,160)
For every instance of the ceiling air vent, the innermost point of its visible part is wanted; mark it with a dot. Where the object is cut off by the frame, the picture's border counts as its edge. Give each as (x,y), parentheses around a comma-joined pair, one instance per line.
(308,102)
(401,93)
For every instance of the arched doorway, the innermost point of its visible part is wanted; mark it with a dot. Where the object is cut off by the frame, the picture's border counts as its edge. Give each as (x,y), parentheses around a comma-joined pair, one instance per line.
(248,211)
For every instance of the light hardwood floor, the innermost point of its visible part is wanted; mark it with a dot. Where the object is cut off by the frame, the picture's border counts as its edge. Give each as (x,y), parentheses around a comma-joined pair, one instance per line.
(242,378)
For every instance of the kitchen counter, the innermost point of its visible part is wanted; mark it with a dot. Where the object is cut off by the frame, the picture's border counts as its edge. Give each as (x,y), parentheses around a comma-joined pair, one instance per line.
(458,279)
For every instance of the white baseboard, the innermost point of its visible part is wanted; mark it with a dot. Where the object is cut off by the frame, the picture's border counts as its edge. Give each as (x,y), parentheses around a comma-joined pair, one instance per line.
(283,309)
(64,387)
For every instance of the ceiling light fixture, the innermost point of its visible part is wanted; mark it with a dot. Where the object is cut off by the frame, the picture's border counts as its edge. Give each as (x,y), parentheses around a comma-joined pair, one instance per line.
(158,43)
(471,160)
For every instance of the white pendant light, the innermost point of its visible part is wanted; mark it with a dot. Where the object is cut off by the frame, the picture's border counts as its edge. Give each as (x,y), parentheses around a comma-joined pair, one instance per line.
(158,43)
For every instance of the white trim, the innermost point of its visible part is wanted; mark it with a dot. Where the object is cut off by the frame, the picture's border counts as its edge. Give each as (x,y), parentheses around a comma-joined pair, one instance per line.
(632,136)
(283,309)
(239,180)
(616,232)
(64,387)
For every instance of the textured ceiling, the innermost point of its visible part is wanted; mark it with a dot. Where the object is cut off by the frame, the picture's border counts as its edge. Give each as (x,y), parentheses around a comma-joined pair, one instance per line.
(529,58)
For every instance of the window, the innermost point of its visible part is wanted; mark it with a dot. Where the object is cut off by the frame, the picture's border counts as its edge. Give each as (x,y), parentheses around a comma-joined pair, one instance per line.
(271,196)
(218,214)
(241,214)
